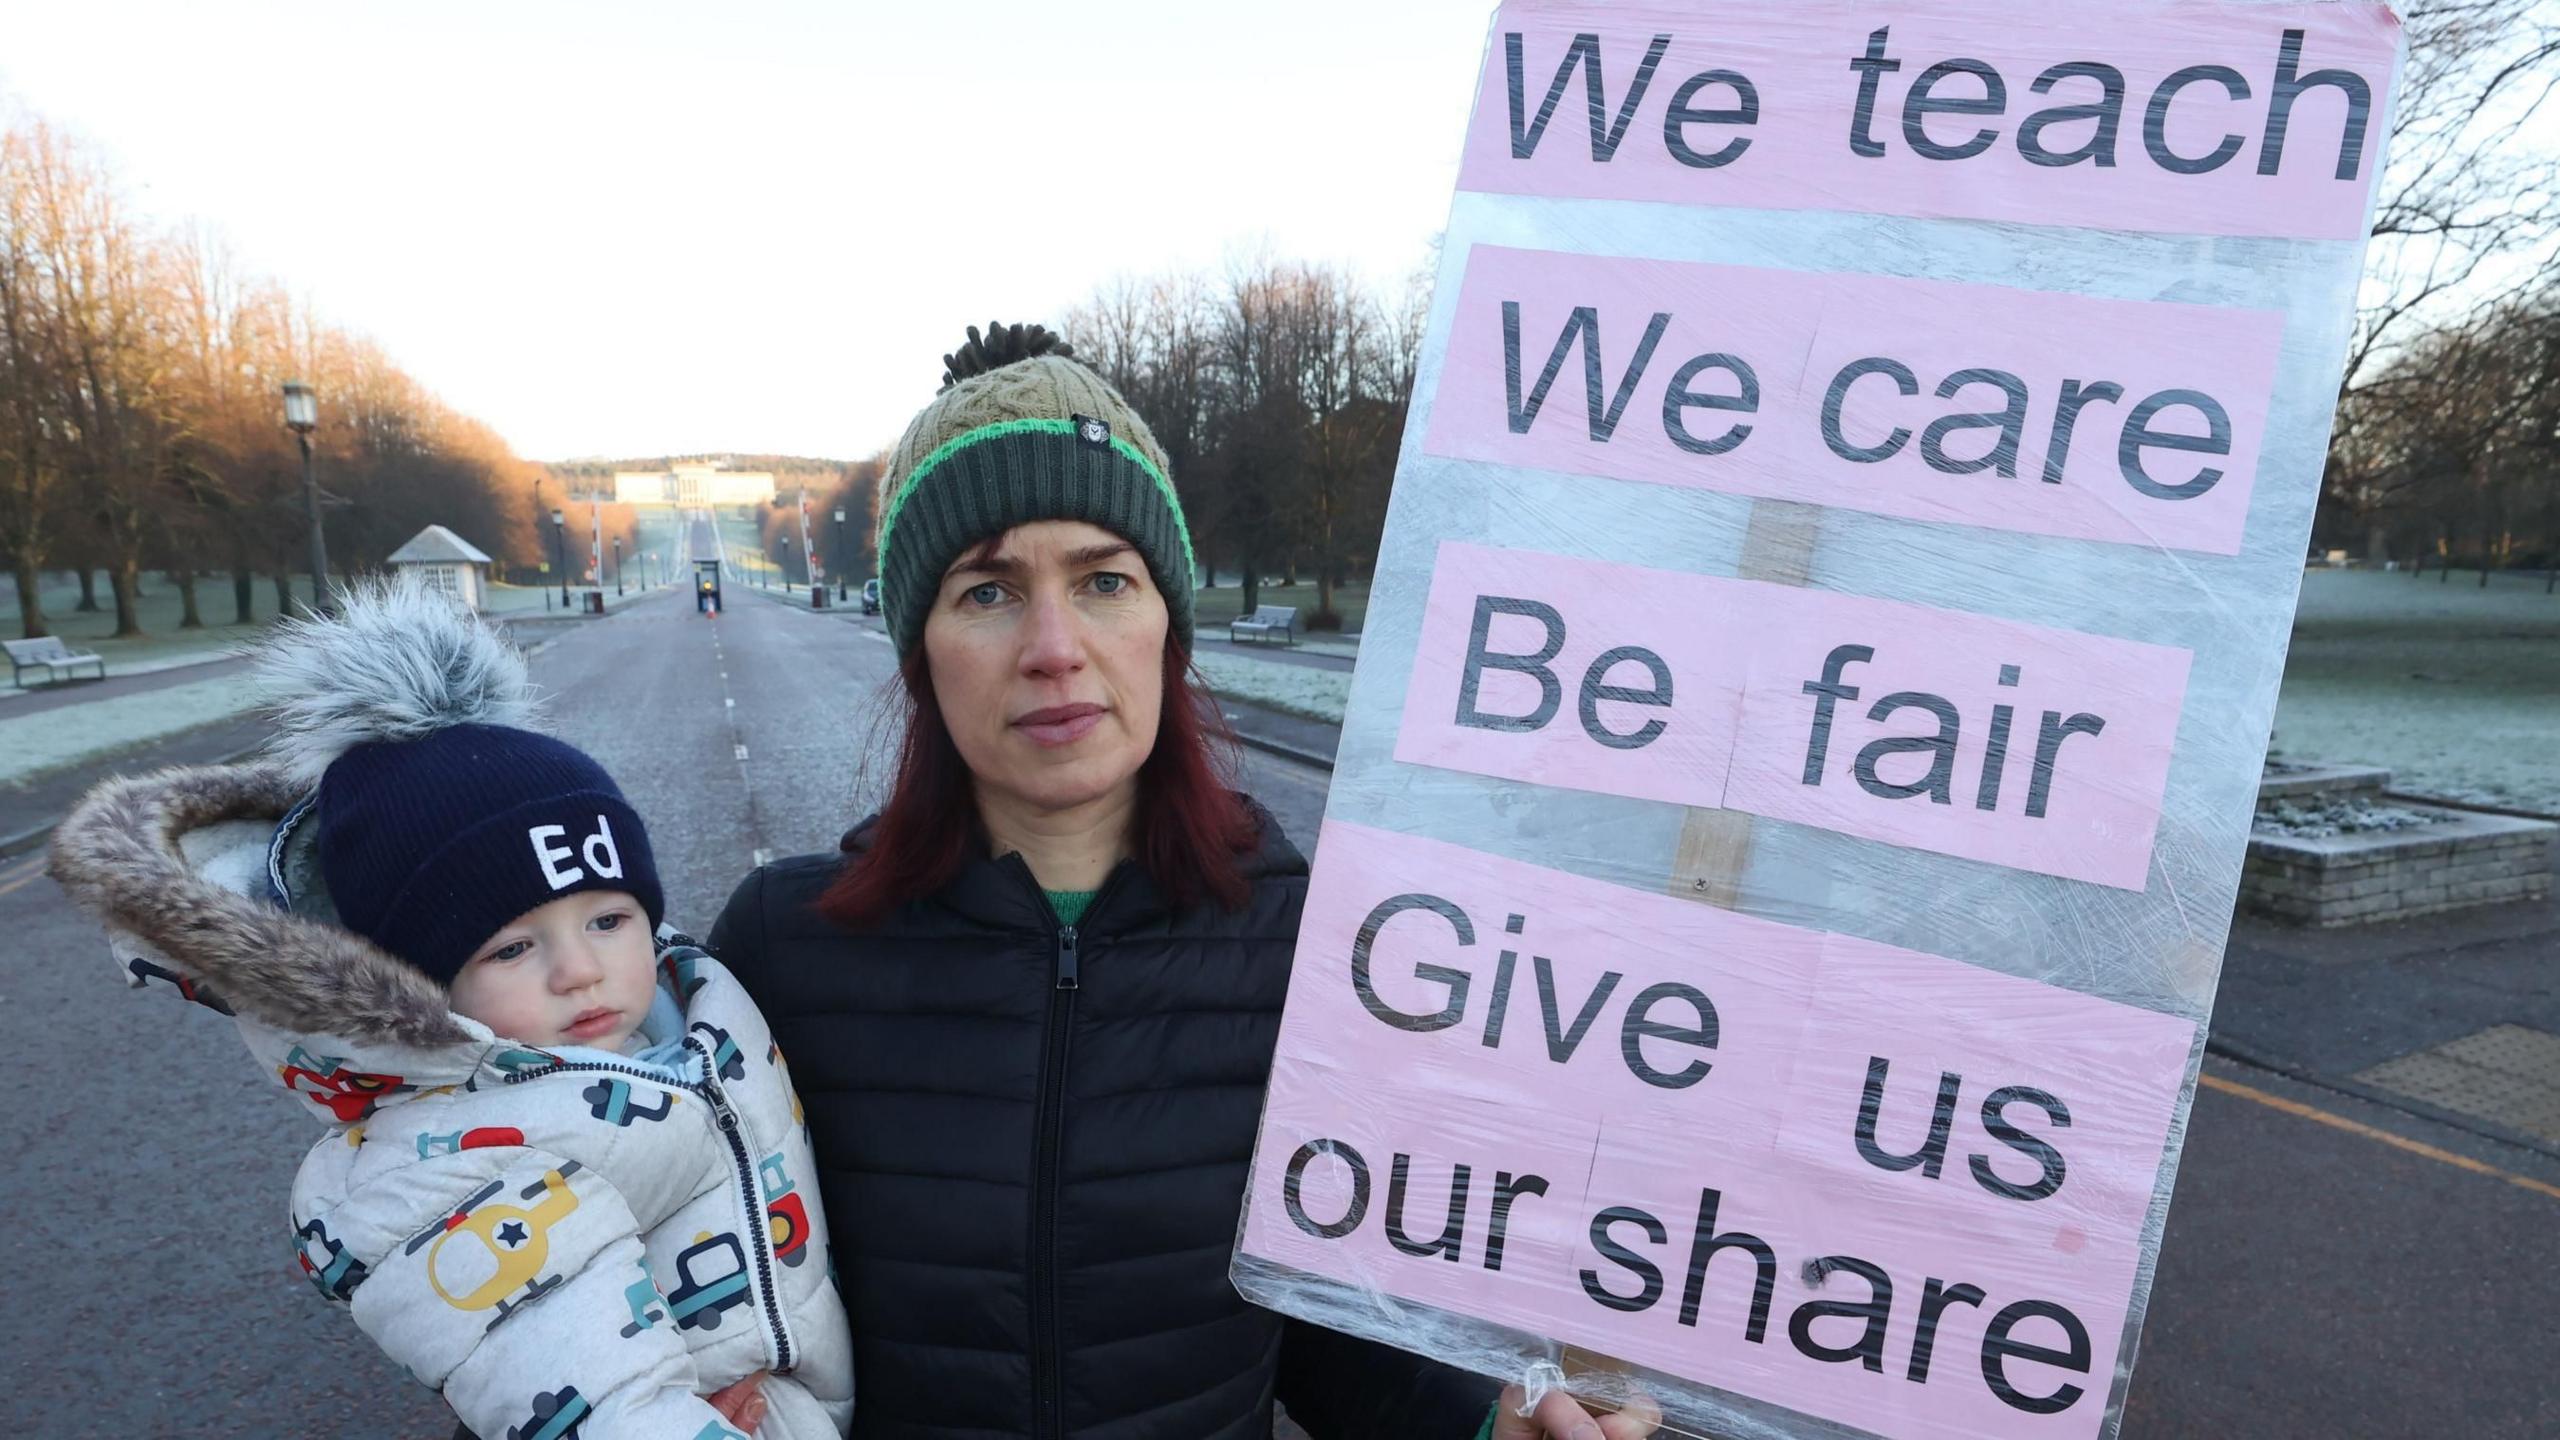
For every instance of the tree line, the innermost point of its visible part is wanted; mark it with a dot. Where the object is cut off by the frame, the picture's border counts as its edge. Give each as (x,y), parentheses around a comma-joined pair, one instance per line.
(141,418)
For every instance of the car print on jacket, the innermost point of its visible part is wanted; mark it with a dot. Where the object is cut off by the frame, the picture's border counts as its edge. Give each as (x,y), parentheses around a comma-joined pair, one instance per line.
(611,1101)
(325,1081)
(325,1262)
(711,1276)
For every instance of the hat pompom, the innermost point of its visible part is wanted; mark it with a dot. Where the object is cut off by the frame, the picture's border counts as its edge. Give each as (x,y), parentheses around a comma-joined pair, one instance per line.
(1002,345)
(399,661)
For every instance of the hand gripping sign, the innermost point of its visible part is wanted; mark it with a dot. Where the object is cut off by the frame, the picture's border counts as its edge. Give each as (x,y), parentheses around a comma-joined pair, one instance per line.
(1819,663)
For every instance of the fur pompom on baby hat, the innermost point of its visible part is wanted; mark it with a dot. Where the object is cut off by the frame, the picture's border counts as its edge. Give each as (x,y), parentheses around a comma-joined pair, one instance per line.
(443,813)
(1022,432)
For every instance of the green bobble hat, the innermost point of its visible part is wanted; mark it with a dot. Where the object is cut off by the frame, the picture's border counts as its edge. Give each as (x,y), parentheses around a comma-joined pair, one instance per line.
(1021,432)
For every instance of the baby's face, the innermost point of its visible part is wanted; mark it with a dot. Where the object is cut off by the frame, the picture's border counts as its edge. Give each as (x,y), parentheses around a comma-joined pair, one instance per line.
(579,970)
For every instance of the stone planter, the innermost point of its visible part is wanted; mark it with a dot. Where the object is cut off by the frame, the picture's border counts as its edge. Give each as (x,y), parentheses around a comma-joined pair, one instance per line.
(2385,861)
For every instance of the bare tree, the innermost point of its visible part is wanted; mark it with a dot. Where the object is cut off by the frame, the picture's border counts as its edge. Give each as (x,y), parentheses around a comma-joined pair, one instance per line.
(31,490)
(2468,215)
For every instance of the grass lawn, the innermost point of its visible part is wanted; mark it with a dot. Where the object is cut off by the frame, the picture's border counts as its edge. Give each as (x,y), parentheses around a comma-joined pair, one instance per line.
(519,599)
(1217,607)
(73,734)
(162,644)
(2455,688)
(1292,689)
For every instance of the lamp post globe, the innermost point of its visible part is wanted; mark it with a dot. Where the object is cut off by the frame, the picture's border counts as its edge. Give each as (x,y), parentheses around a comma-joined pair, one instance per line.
(302,416)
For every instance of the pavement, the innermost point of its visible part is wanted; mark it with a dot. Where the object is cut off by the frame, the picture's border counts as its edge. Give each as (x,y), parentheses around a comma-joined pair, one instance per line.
(2341,1260)
(2334,1006)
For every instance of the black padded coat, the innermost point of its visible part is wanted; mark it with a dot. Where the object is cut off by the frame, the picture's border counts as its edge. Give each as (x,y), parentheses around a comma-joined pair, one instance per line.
(1032,1142)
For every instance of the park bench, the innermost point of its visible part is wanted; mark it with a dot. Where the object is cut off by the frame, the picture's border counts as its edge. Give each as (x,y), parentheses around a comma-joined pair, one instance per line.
(1265,622)
(49,654)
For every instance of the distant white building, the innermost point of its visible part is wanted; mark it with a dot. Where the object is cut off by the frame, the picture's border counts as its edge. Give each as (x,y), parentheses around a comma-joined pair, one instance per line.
(447,562)
(692,485)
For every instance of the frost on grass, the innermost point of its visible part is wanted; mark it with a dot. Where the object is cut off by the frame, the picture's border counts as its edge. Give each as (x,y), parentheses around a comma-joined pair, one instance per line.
(1300,690)
(49,740)
(2454,689)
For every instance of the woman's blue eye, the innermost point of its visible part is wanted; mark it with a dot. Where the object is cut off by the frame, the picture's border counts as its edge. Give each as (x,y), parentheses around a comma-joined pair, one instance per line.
(986,594)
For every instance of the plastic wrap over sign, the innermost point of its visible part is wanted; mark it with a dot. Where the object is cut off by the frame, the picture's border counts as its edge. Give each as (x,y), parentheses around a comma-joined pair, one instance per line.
(1815,682)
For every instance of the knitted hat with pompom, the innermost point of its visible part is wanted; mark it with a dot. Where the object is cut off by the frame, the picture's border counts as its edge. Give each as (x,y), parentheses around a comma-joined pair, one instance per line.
(1022,432)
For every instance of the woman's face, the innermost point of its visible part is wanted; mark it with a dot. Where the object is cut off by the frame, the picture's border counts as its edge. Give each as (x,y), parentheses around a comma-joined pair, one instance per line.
(1047,661)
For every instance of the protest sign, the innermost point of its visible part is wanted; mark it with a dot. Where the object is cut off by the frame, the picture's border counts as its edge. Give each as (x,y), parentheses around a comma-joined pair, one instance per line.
(1814,688)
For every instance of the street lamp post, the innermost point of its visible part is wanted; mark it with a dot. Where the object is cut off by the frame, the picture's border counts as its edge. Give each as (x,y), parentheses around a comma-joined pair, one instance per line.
(537,519)
(617,565)
(786,562)
(560,552)
(836,561)
(302,416)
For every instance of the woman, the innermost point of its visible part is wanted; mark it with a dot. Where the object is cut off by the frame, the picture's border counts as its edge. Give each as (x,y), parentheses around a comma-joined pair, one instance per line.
(1031,1007)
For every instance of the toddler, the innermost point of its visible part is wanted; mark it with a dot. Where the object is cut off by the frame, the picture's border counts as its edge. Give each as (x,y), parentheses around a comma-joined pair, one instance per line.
(565,1179)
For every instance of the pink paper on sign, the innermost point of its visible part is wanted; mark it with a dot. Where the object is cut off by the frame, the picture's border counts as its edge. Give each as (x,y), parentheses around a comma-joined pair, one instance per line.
(2053,746)
(1535,1076)
(1599,609)
(2216,166)
(2043,750)
(2081,373)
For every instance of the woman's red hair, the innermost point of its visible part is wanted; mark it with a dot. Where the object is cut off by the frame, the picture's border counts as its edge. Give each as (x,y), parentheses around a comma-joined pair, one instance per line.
(1192,826)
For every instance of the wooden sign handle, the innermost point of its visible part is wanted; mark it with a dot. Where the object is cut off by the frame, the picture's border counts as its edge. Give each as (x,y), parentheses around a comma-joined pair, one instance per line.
(1715,845)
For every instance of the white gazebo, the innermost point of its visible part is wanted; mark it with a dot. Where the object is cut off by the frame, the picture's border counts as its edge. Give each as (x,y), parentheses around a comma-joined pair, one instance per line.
(446,561)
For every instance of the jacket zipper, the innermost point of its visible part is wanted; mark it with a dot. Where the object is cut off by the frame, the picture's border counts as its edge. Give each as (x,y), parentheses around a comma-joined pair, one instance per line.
(759,1222)
(1049,1124)
(1048,1345)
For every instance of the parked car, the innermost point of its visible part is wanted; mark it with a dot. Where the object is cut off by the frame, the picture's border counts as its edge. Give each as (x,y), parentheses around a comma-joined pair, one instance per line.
(870,597)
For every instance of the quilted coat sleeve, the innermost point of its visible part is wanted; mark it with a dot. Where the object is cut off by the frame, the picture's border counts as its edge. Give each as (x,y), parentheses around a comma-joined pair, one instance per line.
(520,1292)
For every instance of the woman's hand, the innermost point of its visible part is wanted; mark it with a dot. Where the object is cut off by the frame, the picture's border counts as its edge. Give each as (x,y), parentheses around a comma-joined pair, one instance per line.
(1560,1417)
(742,1404)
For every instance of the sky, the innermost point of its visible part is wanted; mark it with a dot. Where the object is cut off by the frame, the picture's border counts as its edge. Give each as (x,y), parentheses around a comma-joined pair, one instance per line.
(677,228)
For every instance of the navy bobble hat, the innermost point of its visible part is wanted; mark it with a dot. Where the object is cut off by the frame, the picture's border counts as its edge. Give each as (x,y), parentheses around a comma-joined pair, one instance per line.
(431,846)
(442,814)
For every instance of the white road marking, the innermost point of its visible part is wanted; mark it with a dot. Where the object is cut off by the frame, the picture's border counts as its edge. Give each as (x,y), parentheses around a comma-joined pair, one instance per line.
(764,856)
(728,702)
(742,752)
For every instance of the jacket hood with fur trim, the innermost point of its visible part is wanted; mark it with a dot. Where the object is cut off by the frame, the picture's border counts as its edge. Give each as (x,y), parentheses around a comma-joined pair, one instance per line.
(176,864)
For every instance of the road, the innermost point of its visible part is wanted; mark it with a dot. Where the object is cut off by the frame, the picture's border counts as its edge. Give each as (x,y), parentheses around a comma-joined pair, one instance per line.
(2322,1277)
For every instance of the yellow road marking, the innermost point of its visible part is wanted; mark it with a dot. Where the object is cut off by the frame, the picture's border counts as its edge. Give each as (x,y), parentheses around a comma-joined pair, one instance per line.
(2340,1122)
(24,875)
